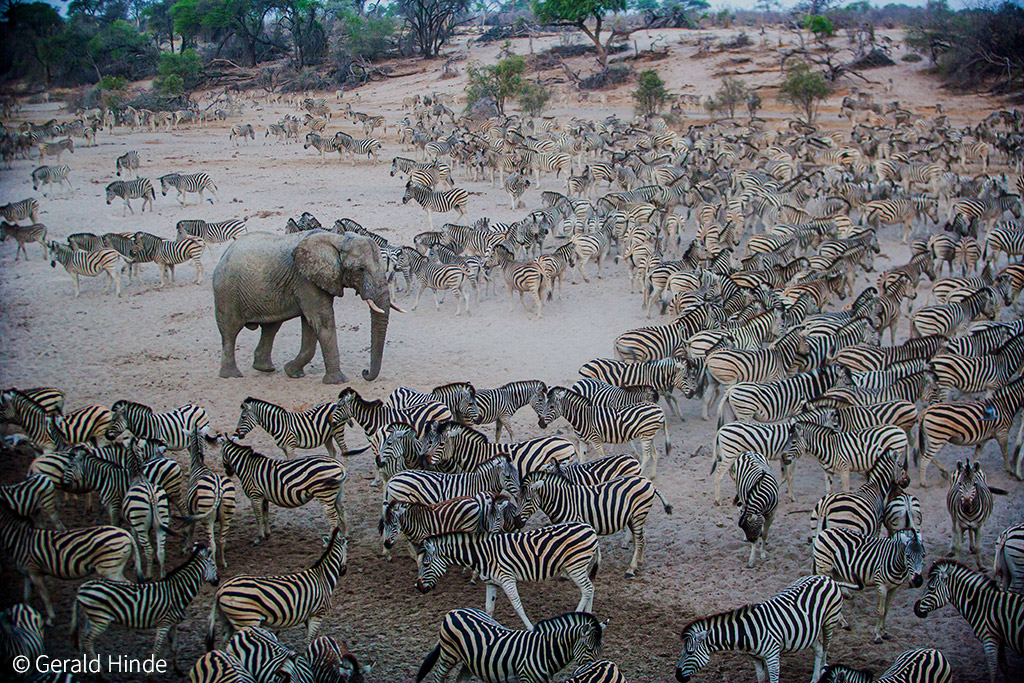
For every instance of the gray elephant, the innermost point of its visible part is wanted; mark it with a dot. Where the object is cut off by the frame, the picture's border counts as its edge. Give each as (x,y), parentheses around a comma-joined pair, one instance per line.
(264,279)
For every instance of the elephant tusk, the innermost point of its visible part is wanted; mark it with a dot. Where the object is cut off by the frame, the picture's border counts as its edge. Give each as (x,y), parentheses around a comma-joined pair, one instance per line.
(400,310)
(374,307)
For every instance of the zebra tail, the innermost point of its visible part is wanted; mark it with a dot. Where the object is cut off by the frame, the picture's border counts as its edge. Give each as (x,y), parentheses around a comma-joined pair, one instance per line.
(211,628)
(429,662)
(920,443)
(721,407)
(75,608)
(596,563)
(668,440)
(169,531)
(668,508)
(997,491)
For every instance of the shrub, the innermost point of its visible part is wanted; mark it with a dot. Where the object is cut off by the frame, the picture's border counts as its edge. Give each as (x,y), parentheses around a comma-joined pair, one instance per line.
(534,98)
(804,89)
(178,73)
(650,95)
(370,37)
(496,82)
(732,93)
(170,85)
(911,57)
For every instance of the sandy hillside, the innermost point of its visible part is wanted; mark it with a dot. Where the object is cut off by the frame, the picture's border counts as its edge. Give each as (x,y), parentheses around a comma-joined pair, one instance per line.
(161,347)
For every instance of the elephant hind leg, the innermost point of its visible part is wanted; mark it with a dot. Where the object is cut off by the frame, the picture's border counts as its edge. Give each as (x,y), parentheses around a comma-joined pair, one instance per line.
(228,336)
(295,367)
(261,359)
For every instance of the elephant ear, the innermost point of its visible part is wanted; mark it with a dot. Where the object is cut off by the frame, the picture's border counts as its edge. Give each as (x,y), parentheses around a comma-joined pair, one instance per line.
(318,259)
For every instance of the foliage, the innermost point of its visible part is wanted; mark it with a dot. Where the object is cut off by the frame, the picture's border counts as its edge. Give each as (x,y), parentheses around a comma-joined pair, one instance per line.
(309,39)
(674,13)
(242,20)
(650,95)
(730,96)
(170,85)
(179,73)
(533,98)
(577,13)
(821,27)
(432,22)
(496,83)
(803,88)
(368,37)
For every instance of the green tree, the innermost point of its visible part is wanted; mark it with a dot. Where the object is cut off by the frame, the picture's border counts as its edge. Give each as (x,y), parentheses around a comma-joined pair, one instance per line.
(432,22)
(37,25)
(239,19)
(369,37)
(730,96)
(533,98)
(578,13)
(496,82)
(804,89)
(160,22)
(179,73)
(650,95)
(821,27)
(119,49)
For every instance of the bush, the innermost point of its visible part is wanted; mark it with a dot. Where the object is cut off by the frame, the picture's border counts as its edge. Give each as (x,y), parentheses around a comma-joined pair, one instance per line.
(534,98)
(650,95)
(496,83)
(804,89)
(170,85)
(609,78)
(112,83)
(911,57)
(179,73)
(371,38)
(154,101)
(732,93)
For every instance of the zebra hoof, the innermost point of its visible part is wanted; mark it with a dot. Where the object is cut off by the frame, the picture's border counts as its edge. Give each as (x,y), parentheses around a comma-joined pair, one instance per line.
(886,636)
(878,640)
(630,575)
(256,542)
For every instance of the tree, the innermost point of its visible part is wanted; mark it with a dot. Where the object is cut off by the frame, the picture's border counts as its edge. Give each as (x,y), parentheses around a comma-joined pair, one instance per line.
(239,19)
(804,89)
(308,36)
(179,73)
(432,22)
(160,22)
(577,13)
(821,27)
(732,93)
(533,98)
(496,82)
(650,95)
(37,24)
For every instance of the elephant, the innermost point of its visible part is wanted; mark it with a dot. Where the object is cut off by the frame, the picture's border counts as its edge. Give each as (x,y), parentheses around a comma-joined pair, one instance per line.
(264,279)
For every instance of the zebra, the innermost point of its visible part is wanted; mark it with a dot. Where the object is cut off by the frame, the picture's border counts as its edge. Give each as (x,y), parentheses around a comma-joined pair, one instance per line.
(977,374)
(15,212)
(210,498)
(948,319)
(863,510)
(924,665)
(219,667)
(664,341)
(368,146)
(127,190)
(72,554)
(904,210)
(608,507)
(322,145)
(441,202)
(212,233)
(279,130)
(242,131)
(515,186)
(1009,239)
(88,472)
(555,264)
(969,503)
(453,447)
(306,429)
(145,508)
(903,511)
(55,148)
(280,601)
(23,234)
(598,424)
(857,560)
(85,241)
(995,616)
(21,634)
(129,161)
(158,604)
(664,375)
(420,486)
(50,175)
(1008,565)
(804,614)
(504,559)
(170,253)
(757,495)
(865,357)
(774,401)
(772,440)
(196,182)
(475,640)
(33,497)
(587,247)
(286,483)
(173,429)
(439,277)
(87,263)
(499,405)
(989,209)
(520,276)
(841,452)
(970,423)
(483,513)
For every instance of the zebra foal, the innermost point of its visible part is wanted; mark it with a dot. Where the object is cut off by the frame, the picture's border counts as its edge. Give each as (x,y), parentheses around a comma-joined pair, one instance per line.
(757,495)
(913,666)
(24,234)
(52,175)
(87,263)
(306,429)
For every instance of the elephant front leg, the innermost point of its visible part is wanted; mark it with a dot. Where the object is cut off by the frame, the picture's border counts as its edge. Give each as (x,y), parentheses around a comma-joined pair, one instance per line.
(261,358)
(294,367)
(329,347)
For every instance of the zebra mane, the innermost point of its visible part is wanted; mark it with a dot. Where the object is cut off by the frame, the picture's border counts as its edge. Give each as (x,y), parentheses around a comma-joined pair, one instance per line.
(452,385)
(327,550)
(123,403)
(980,580)
(572,392)
(264,403)
(466,432)
(180,568)
(554,624)
(707,622)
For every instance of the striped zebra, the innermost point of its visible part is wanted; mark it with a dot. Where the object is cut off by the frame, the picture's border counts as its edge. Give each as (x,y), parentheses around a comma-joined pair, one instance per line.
(924,665)
(420,486)
(840,452)
(23,234)
(242,131)
(210,499)
(1008,239)
(195,182)
(51,175)
(173,429)
(322,145)
(773,440)
(441,202)
(970,423)
(88,472)
(804,614)
(948,320)
(171,253)
(988,209)
(454,447)
(474,640)
(127,190)
(21,635)
(774,401)
(863,510)
(305,429)
(757,495)
(515,186)
(87,263)
(596,425)
(55,149)
(970,375)
(285,483)
(460,399)
(608,507)
(73,554)
(161,605)
(15,212)
(86,425)
(502,560)
(590,246)
(278,130)
(903,210)
(554,266)
(865,357)
(32,498)
(22,410)
(903,511)
(520,276)
(1008,565)
(280,601)
(129,161)
(996,617)
(145,508)
(664,375)
(499,405)
(857,560)
(212,233)
(484,513)
(439,277)
(219,667)
(664,341)
(359,146)
(969,503)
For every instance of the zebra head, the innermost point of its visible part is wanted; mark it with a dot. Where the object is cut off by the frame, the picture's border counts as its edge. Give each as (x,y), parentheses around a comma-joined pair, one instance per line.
(74,473)
(539,403)
(913,554)
(246,420)
(204,557)
(433,564)
(752,524)
(503,514)
(166,181)
(400,450)
(937,592)
(837,673)
(390,523)
(696,653)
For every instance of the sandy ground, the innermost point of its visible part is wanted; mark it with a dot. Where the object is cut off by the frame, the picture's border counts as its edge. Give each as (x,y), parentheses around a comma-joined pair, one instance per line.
(161,347)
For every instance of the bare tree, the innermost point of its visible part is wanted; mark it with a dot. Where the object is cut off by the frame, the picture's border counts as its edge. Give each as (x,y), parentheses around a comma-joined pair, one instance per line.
(432,22)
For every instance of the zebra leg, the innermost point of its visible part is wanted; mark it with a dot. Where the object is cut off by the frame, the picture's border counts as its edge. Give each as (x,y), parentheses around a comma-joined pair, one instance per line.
(36,579)
(759,670)
(166,633)
(258,508)
(491,592)
(636,527)
(74,276)
(261,357)
(313,627)
(145,549)
(884,599)
(210,522)
(512,591)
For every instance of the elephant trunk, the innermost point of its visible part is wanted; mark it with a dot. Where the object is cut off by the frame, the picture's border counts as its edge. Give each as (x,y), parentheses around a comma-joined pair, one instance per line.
(378,335)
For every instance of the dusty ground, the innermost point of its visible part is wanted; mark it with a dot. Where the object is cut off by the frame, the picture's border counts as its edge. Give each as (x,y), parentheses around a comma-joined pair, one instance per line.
(161,347)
